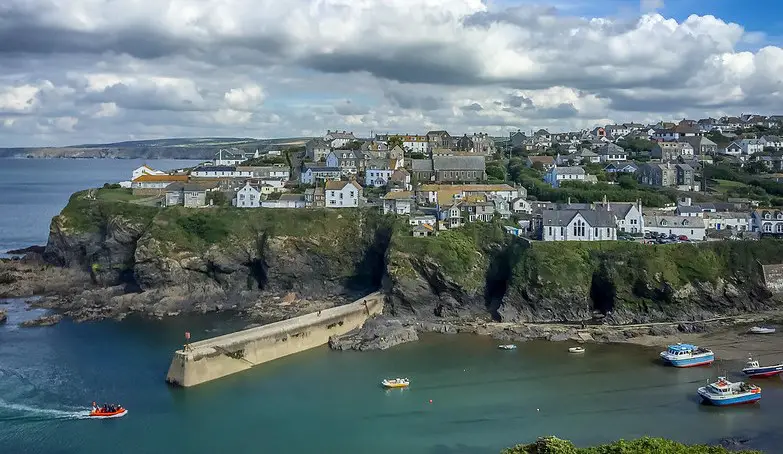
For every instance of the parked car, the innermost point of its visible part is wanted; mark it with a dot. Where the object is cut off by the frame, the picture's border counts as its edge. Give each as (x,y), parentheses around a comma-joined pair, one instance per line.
(682,238)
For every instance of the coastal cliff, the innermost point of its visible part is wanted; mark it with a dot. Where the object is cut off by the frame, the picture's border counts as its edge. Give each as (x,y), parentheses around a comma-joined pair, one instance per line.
(278,263)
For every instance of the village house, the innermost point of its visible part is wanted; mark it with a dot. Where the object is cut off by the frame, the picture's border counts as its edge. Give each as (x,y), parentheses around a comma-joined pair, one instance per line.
(342,194)
(310,175)
(220,172)
(152,184)
(665,135)
(419,219)
(627,216)
(702,146)
(547,162)
(520,205)
(337,139)
(189,195)
(767,221)
(232,157)
(316,150)
(727,220)
(433,194)
(315,197)
(439,139)
(248,197)
(621,167)
(691,227)
(415,143)
(610,152)
(772,142)
(667,175)
(145,170)
(578,225)
(423,230)
(285,201)
(277,172)
(617,131)
(483,144)
(350,162)
(557,175)
(377,173)
(400,180)
(517,139)
(398,202)
(449,169)
(744,148)
(542,138)
(672,151)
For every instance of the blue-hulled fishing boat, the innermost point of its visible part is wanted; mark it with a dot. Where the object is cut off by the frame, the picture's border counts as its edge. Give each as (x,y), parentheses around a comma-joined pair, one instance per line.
(753,369)
(724,392)
(687,355)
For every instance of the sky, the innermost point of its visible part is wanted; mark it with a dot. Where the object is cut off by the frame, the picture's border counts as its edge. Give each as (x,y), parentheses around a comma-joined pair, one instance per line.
(92,71)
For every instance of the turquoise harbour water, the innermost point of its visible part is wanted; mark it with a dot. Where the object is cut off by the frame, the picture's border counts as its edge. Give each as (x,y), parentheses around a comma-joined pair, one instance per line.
(321,401)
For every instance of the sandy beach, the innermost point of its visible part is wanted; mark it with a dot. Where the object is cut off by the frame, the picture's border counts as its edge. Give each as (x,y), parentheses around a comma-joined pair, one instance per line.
(729,344)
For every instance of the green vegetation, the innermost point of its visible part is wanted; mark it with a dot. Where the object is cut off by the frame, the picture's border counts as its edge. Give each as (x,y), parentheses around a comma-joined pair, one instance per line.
(88,211)
(553,268)
(461,254)
(646,445)
(627,191)
(733,182)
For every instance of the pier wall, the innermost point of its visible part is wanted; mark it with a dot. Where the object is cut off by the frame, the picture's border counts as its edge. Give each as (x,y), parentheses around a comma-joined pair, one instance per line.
(228,354)
(773,278)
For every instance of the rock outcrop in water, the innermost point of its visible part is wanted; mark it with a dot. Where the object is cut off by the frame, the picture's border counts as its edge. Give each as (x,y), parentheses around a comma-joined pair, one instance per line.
(378,333)
(113,258)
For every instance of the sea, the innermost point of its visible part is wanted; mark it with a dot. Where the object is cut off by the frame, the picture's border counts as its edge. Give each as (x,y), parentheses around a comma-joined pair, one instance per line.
(466,395)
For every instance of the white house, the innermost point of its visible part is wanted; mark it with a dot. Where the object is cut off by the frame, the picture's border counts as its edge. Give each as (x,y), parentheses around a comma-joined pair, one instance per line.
(520,205)
(220,172)
(692,227)
(628,216)
(398,202)
(415,143)
(736,222)
(232,157)
(751,146)
(145,170)
(157,181)
(612,153)
(248,197)
(342,194)
(312,174)
(422,219)
(286,201)
(772,142)
(578,225)
(337,139)
(767,221)
(556,175)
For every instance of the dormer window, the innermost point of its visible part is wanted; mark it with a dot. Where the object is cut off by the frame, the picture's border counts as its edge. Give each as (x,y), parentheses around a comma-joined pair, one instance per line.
(685,222)
(767,216)
(780,216)
(663,221)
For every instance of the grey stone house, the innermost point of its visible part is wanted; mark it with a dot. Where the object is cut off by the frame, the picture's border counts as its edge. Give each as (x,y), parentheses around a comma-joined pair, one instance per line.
(439,139)
(447,169)
(666,175)
(190,195)
(316,150)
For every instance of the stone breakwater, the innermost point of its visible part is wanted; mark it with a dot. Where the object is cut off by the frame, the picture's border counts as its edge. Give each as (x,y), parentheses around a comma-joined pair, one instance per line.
(210,359)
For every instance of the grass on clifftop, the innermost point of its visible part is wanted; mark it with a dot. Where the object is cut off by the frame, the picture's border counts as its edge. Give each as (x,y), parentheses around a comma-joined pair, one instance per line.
(461,253)
(646,445)
(83,214)
(571,265)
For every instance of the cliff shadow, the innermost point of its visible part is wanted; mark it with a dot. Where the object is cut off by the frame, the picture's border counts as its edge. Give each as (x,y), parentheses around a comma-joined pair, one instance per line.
(369,271)
(258,277)
(603,291)
(499,273)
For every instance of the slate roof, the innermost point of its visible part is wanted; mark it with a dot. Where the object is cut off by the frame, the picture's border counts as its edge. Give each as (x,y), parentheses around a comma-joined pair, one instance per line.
(323,169)
(572,170)
(421,165)
(459,163)
(674,221)
(594,218)
(339,185)
(611,148)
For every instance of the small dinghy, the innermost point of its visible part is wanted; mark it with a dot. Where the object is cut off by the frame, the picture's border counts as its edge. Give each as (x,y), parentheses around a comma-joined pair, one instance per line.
(507,347)
(761,330)
(107,411)
(576,350)
(753,369)
(396,383)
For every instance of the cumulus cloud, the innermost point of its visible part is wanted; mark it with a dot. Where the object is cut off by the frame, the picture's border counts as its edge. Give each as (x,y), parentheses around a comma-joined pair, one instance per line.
(89,70)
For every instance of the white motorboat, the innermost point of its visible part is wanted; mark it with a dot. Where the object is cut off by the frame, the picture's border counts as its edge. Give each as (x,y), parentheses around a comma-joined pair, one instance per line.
(761,330)
(576,350)
(396,383)
(507,347)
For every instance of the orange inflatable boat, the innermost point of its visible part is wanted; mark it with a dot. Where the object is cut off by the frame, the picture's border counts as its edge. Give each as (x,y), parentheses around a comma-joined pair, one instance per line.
(116,412)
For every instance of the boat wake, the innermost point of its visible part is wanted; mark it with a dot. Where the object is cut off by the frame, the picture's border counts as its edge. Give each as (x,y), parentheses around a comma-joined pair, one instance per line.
(26,412)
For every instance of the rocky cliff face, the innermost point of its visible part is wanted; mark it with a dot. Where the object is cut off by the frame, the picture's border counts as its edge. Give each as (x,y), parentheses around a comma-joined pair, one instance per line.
(166,261)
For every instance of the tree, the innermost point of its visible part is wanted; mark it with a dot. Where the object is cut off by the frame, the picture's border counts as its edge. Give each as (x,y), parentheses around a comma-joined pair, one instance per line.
(538,165)
(217,198)
(353,145)
(496,173)
(395,141)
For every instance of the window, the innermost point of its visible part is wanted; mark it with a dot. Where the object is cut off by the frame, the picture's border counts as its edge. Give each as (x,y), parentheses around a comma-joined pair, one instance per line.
(768,227)
(596,232)
(550,231)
